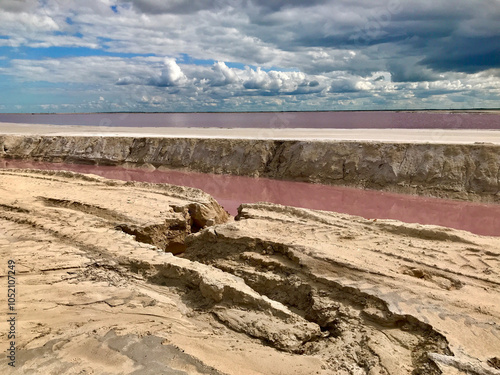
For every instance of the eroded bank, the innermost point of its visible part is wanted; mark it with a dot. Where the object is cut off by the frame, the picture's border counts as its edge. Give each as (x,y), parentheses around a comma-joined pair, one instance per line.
(457,171)
(231,191)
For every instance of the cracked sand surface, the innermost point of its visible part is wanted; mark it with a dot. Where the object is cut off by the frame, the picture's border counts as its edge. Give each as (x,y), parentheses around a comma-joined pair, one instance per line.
(278,290)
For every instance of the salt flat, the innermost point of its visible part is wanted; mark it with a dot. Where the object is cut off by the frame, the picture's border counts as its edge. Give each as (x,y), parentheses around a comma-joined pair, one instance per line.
(455,136)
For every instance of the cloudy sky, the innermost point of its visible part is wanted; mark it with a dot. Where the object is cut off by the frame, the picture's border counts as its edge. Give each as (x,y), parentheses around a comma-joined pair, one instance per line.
(248,55)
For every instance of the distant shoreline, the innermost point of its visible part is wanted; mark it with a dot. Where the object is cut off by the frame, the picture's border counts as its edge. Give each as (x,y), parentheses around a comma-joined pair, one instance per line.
(436,119)
(387,135)
(470,110)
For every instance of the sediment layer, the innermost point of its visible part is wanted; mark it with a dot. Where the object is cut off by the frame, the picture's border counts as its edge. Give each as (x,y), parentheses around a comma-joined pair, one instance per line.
(458,171)
(275,290)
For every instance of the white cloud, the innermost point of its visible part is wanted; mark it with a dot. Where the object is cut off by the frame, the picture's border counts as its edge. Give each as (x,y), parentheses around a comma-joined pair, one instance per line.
(298,54)
(224,75)
(171,75)
(25,24)
(274,80)
(153,83)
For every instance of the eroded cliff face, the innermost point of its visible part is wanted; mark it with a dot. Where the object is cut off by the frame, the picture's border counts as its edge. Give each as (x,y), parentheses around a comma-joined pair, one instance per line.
(469,172)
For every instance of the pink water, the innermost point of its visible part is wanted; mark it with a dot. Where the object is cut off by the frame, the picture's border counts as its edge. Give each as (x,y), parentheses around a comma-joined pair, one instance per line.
(231,191)
(333,120)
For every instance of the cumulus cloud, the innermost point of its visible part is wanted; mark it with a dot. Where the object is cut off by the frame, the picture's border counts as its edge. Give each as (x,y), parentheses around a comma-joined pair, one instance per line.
(246,89)
(171,75)
(310,54)
(274,81)
(224,75)
(274,33)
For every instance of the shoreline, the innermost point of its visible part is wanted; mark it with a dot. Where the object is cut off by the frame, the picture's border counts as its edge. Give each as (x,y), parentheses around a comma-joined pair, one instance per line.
(389,135)
(232,191)
(440,110)
(452,165)
(274,120)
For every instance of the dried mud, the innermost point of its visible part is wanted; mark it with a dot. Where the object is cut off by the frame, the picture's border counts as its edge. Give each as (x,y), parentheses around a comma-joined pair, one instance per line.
(275,290)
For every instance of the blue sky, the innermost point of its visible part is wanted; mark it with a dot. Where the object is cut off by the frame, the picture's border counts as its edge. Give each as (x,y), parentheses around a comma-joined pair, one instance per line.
(248,55)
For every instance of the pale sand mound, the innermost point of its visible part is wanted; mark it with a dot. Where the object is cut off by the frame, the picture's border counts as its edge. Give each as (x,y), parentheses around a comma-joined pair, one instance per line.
(278,291)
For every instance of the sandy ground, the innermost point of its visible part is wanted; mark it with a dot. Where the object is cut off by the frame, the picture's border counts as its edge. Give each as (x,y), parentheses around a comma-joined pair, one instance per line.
(278,290)
(463,136)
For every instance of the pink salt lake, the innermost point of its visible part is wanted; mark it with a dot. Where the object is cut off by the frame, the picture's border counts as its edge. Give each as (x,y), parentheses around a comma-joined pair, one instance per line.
(231,191)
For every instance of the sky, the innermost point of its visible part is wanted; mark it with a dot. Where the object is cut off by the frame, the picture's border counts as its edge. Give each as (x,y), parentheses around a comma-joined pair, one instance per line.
(248,55)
